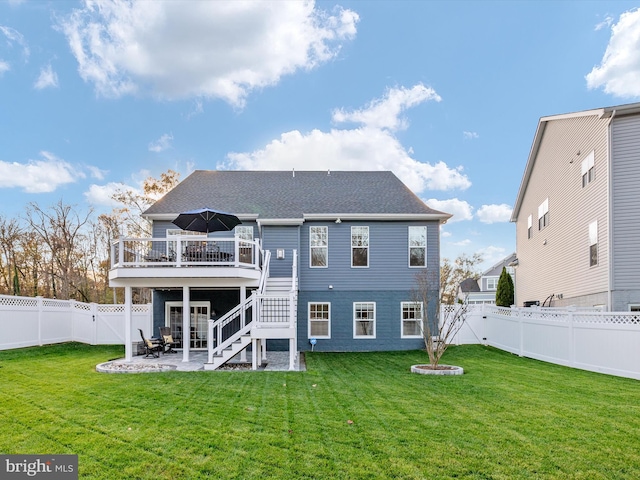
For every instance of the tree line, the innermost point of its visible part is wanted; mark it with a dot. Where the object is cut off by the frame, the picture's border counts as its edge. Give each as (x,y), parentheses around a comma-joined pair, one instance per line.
(62,251)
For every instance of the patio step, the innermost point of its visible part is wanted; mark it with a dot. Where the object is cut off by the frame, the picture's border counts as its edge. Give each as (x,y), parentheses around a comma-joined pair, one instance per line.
(227,354)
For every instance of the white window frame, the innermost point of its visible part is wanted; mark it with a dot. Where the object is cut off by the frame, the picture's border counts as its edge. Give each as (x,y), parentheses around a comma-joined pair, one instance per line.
(357,306)
(530,226)
(244,232)
(365,243)
(494,281)
(593,242)
(325,247)
(588,169)
(311,320)
(410,308)
(634,307)
(543,214)
(422,244)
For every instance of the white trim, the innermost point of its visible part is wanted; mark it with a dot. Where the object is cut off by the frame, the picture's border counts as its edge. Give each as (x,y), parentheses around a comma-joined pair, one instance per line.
(192,304)
(409,246)
(402,320)
(312,247)
(280,221)
(377,216)
(367,246)
(328,320)
(370,319)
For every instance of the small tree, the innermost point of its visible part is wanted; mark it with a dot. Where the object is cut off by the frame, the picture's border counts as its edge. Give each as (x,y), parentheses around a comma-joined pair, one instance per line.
(504,293)
(439,330)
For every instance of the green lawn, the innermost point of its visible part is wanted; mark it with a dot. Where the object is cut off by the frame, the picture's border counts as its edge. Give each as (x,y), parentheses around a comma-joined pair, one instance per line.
(351,415)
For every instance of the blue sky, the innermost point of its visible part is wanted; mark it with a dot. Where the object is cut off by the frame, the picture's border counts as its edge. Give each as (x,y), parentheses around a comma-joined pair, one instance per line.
(96,95)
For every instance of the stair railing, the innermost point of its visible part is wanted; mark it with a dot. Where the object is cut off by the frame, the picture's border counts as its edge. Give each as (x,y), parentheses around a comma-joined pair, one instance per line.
(238,314)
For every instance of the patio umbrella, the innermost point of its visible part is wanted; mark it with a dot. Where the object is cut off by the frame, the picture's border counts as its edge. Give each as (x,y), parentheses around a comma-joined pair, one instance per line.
(206,220)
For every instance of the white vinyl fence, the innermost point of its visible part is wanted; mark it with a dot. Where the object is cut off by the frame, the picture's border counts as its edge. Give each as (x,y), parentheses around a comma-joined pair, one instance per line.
(28,321)
(605,342)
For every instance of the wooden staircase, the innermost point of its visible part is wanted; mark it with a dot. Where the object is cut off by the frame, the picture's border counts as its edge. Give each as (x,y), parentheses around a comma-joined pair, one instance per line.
(228,353)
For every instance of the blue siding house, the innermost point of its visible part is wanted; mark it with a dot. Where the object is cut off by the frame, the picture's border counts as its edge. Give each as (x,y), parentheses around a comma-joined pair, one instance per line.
(322,260)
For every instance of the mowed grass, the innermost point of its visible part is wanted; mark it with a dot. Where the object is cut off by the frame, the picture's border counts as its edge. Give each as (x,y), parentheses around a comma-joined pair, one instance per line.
(351,415)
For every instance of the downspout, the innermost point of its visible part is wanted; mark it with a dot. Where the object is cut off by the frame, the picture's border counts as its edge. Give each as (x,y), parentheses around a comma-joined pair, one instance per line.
(610,213)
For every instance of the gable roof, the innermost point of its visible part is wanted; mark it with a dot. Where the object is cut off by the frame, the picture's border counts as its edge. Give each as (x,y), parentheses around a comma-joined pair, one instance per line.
(469,285)
(296,196)
(605,112)
(496,269)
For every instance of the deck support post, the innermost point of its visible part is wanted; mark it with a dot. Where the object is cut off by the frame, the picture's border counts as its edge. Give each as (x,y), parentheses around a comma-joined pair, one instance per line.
(186,324)
(128,308)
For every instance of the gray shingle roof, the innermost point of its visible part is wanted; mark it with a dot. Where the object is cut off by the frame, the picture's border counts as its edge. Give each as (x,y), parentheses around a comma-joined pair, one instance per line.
(283,194)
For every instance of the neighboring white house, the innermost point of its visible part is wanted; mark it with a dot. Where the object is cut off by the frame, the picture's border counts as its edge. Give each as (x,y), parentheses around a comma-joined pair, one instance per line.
(577,212)
(484,290)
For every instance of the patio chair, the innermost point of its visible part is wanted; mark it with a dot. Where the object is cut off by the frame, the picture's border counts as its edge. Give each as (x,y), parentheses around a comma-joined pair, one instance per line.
(152,347)
(166,339)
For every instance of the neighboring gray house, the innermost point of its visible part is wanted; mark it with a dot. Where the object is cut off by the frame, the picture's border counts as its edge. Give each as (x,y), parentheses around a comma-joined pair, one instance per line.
(329,256)
(484,290)
(577,211)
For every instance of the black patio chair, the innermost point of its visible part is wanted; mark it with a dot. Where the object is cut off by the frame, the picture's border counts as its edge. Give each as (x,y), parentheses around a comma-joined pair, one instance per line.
(166,339)
(152,347)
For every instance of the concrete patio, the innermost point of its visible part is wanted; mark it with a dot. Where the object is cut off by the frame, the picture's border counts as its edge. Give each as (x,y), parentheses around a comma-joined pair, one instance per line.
(276,361)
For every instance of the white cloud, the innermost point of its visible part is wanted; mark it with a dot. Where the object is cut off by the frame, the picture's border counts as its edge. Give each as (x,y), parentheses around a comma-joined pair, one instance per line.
(359,149)
(38,176)
(619,71)
(96,172)
(462,243)
(460,209)
(445,234)
(211,49)
(4,67)
(161,144)
(384,113)
(492,255)
(47,78)
(102,194)
(470,135)
(370,147)
(608,20)
(494,213)
(14,36)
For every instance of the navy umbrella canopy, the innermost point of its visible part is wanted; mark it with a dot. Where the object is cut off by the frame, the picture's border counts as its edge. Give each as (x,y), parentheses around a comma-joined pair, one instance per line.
(206,220)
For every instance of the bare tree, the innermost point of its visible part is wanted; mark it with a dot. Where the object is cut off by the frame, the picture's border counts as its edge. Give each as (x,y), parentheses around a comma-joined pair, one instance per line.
(10,234)
(437,330)
(133,203)
(61,228)
(452,274)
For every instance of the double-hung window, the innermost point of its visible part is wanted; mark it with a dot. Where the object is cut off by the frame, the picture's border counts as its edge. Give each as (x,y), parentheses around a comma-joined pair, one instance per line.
(543,214)
(593,244)
(492,283)
(319,246)
(417,246)
(364,320)
(411,319)
(529,226)
(359,246)
(319,320)
(588,170)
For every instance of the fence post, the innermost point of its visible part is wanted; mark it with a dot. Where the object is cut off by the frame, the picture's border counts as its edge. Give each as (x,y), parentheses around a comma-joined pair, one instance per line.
(521,349)
(40,313)
(94,317)
(572,345)
(72,314)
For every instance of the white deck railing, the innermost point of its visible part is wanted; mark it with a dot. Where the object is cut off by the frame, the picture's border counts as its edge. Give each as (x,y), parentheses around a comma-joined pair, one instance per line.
(178,251)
